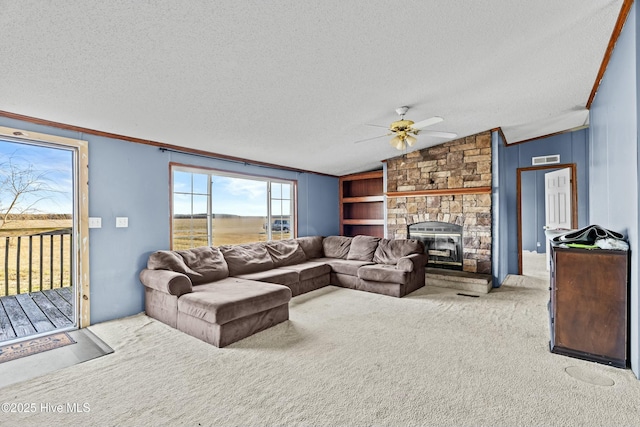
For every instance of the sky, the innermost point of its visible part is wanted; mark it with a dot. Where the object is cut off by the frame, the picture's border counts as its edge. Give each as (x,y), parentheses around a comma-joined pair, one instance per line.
(230,195)
(55,168)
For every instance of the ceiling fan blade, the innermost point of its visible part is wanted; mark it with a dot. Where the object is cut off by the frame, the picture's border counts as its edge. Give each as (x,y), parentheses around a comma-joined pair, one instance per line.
(428,122)
(438,134)
(369,139)
(378,126)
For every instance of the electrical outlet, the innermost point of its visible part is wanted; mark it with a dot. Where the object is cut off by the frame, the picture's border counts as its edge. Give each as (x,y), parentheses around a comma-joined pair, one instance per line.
(122,222)
(539,244)
(95,222)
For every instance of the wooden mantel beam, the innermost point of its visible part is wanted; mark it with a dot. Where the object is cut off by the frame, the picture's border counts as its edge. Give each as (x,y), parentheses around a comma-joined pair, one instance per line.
(441,192)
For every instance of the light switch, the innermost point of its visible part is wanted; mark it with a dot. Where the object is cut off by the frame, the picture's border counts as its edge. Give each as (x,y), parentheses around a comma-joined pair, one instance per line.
(95,222)
(122,222)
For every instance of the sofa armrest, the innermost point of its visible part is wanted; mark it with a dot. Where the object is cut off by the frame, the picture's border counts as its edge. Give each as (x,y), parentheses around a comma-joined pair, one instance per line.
(169,282)
(410,262)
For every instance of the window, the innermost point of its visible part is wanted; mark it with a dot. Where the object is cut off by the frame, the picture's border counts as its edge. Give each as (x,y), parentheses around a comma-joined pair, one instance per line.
(213,208)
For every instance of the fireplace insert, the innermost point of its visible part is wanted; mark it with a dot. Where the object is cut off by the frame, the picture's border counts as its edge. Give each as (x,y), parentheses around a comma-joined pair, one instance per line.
(442,242)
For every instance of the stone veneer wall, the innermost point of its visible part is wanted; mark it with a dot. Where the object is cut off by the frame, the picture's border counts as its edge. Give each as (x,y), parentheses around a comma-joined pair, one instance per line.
(462,165)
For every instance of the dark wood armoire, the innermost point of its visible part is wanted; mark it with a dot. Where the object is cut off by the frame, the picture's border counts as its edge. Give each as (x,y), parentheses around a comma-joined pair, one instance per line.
(588,307)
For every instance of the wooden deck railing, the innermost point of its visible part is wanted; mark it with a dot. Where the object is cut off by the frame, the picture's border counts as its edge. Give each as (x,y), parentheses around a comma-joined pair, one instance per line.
(37,262)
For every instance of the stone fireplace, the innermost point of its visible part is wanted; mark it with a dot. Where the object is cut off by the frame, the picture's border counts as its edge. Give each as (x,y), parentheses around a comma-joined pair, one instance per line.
(448,183)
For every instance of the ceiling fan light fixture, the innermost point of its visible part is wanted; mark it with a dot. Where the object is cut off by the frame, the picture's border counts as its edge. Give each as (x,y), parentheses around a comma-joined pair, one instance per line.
(405,131)
(397,142)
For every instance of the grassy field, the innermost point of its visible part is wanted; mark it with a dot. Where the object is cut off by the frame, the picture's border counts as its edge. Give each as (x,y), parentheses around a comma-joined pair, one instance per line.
(54,265)
(190,233)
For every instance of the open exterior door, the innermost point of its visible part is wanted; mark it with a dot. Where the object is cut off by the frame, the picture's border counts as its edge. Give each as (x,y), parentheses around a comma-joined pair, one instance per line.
(46,247)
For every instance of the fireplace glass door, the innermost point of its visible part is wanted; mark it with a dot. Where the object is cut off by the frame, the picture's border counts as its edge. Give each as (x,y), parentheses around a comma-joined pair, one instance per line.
(442,241)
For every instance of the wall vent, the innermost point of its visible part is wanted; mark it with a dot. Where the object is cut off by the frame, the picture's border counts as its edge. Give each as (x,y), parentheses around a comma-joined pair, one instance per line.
(545,160)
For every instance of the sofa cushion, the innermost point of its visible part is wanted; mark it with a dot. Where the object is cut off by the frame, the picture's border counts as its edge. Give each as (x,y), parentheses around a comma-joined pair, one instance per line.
(232,298)
(285,252)
(275,275)
(383,273)
(312,246)
(202,265)
(362,248)
(247,258)
(309,270)
(389,251)
(336,246)
(344,266)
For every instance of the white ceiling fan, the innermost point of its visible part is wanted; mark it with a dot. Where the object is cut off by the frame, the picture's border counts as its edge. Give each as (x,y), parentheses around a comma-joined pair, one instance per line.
(404,131)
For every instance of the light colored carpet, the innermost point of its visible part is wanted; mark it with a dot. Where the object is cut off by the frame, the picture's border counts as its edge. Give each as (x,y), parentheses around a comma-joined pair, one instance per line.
(346,358)
(535,265)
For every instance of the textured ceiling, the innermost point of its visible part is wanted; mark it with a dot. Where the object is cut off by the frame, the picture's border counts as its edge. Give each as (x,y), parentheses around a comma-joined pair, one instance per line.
(294,83)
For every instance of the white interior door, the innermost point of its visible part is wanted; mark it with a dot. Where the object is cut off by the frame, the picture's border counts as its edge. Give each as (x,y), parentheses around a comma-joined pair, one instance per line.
(558,199)
(557,206)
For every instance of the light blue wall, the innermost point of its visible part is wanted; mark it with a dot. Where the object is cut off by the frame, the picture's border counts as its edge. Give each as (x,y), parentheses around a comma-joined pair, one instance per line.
(614,178)
(132,180)
(530,205)
(572,148)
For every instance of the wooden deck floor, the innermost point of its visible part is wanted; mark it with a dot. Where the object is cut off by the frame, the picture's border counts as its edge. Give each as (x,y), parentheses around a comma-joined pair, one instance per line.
(28,314)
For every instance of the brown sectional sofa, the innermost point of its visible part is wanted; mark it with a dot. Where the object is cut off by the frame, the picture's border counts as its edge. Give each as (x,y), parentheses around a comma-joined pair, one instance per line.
(221,295)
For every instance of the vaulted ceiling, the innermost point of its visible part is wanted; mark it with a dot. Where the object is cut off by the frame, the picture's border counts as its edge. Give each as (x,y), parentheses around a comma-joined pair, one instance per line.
(296,83)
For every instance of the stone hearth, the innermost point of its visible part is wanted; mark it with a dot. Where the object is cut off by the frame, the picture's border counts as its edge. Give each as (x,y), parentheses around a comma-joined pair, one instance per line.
(461,280)
(449,183)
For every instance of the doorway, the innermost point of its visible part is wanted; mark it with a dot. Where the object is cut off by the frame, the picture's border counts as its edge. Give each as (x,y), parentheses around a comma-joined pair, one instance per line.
(43,237)
(538,208)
